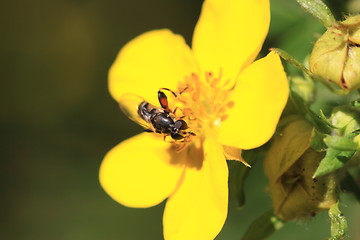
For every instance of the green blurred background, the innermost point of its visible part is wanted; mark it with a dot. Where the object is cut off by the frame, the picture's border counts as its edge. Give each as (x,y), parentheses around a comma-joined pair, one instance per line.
(58,119)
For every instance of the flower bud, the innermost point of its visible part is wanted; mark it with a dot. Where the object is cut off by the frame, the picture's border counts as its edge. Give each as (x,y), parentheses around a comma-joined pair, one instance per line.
(336,54)
(353,6)
(357,140)
(345,120)
(290,164)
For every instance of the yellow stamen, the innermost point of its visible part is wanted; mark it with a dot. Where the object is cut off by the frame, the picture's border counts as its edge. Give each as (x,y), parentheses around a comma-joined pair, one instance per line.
(205,101)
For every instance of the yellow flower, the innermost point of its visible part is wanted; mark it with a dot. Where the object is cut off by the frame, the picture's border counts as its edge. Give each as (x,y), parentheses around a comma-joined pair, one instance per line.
(227,101)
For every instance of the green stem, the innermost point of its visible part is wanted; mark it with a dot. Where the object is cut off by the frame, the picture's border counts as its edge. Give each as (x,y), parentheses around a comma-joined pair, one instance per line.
(318,9)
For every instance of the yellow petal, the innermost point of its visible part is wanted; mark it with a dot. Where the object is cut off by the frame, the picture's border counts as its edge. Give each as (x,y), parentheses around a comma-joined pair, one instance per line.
(153,60)
(229,34)
(260,96)
(141,171)
(198,209)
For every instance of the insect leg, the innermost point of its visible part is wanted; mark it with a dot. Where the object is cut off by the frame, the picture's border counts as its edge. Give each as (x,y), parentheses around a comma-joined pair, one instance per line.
(163,101)
(163,98)
(180,110)
(169,90)
(174,93)
(166,137)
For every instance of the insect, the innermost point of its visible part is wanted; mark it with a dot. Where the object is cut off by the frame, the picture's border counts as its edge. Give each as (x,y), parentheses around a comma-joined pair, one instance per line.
(161,120)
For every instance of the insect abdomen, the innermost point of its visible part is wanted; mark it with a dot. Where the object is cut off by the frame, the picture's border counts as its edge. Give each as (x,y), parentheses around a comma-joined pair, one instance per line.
(144,112)
(162,122)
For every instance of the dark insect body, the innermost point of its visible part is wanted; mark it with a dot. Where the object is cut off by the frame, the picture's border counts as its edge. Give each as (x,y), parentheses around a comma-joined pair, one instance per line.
(160,120)
(163,120)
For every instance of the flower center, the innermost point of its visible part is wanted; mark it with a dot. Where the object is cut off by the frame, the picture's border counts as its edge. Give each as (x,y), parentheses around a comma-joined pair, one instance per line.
(204,102)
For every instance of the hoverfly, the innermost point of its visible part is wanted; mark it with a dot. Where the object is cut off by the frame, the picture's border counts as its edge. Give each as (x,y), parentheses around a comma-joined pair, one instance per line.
(160,120)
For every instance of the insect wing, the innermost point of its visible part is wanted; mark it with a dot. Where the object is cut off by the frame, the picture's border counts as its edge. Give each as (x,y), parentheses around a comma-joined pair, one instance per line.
(129,105)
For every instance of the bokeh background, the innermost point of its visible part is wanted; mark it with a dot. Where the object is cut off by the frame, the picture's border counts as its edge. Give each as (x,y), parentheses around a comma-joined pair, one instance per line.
(58,120)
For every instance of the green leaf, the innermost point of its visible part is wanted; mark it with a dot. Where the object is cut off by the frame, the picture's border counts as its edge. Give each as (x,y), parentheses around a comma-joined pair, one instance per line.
(317,141)
(341,143)
(333,160)
(263,226)
(338,223)
(325,120)
(346,120)
(320,122)
(319,10)
(340,150)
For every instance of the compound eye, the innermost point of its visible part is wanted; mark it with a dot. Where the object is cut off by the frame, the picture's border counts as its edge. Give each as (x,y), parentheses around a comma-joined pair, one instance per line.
(181,125)
(176,136)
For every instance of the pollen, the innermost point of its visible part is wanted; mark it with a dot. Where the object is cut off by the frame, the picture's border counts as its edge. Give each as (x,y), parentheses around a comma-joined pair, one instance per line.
(204,100)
